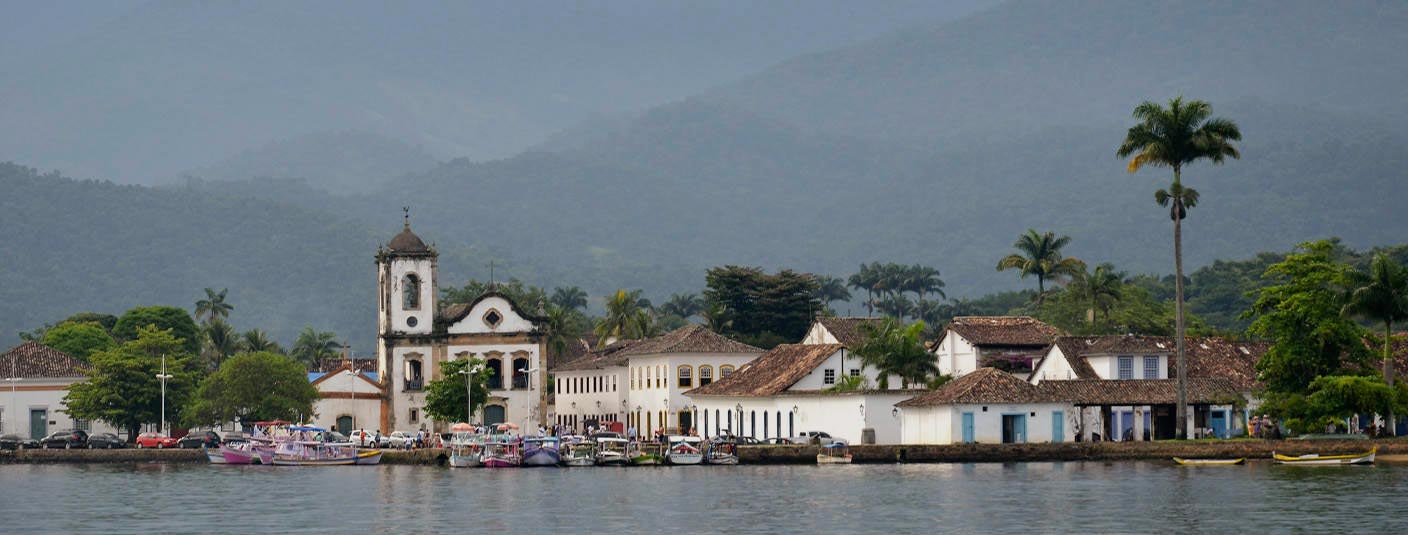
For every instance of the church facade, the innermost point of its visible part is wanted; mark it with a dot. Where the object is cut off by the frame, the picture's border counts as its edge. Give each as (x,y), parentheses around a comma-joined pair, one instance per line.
(416,336)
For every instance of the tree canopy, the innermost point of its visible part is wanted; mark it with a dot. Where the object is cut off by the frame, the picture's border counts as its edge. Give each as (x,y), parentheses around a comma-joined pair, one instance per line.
(758,308)
(445,397)
(122,388)
(253,387)
(893,348)
(177,320)
(79,340)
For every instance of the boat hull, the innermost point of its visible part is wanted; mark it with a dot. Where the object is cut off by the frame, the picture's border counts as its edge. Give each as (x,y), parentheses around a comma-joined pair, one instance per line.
(218,457)
(647,460)
(542,457)
(500,462)
(831,459)
(579,461)
(464,461)
(684,459)
(722,460)
(611,460)
(1209,462)
(1322,461)
(369,457)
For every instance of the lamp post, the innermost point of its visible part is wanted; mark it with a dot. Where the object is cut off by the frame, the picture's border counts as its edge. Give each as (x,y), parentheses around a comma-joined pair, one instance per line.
(352,387)
(468,374)
(533,413)
(739,407)
(163,376)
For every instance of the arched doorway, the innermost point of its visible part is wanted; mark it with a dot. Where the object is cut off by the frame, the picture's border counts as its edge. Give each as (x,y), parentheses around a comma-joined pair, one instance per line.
(494,414)
(344,424)
(686,422)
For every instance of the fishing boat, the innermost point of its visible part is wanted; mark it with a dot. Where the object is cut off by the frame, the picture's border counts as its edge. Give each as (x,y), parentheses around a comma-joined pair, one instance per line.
(501,451)
(541,451)
(465,446)
(611,451)
(1317,459)
(368,457)
(721,450)
(684,450)
(1209,462)
(644,453)
(834,453)
(578,451)
(307,447)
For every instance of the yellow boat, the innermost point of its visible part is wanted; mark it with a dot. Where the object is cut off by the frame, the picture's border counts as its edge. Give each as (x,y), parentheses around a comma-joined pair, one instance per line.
(1317,459)
(1209,462)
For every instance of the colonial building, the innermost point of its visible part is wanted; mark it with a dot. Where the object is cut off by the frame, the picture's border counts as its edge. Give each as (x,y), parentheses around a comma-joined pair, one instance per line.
(348,398)
(985,406)
(415,337)
(1008,343)
(37,377)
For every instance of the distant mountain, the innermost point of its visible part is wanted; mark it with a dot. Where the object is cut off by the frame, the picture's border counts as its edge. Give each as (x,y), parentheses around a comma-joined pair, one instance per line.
(334,161)
(172,85)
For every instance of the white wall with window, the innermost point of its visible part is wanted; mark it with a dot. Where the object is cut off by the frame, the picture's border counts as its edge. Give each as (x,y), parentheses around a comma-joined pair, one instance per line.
(989,424)
(842,415)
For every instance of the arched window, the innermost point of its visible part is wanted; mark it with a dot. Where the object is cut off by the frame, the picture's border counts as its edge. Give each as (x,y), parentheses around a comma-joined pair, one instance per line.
(725,371)
(686,377)
(415,374)
(520,373)
(496,374)
(410,292)
(660,376)
(716,421)
(633,378)
(706,375)
(753,422)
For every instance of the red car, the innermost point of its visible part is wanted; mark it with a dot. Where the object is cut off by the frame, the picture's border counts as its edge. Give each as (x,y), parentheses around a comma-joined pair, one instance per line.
(155,440)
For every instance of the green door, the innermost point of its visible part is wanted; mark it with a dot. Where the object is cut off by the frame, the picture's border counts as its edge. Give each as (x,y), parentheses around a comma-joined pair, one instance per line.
(38,423)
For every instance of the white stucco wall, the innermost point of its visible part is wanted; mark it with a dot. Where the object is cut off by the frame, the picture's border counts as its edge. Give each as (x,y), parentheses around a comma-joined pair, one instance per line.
(843,416)
(511,322)
(668,395)
(818,335)
(956,355)
(424,268)
(589,402)
(15,407)
(354,397)
(944,424)
(1054,367)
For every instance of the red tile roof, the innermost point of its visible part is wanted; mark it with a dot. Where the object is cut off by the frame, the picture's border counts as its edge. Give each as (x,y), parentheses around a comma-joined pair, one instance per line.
(606,357)
(33,360)
(984,385)
(771,373)
(692,338)
(847,330)
(1004,330)
(988,385)
(1207,357)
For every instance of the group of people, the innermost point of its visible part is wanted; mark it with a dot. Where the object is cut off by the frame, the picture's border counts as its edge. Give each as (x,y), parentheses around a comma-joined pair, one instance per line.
(1263,426)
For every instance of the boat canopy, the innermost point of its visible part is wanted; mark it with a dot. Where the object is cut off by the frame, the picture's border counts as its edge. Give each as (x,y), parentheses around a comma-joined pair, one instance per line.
(306,428)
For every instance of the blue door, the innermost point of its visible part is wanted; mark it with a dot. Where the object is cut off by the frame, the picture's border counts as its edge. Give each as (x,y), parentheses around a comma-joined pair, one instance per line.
(1058,426)
(1014,428)
(1218,422)
(967,427)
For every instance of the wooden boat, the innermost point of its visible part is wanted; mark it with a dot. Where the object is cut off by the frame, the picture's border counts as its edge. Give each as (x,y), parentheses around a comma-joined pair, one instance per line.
(645,453)
(834,453)
(611,451)
(308,453)
(368,457)
(501,452)
(1209,462)
(684,450)
(578,451)
(541,451)
(1317,459)
(721,450)
(465,450)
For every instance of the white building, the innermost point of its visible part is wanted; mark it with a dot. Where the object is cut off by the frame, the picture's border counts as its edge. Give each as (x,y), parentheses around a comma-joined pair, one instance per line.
(415,336)
(788,391)
(347,400)
(1008,343)
(643,382)
(37,377)
(986,406)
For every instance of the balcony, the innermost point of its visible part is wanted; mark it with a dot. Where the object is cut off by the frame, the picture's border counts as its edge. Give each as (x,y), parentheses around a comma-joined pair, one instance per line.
(414,385)
(520,381)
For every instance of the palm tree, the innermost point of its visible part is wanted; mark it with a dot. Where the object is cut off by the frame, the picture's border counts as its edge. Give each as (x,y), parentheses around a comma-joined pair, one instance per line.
(220,342)
(1177,136)
(561,329)
(571,298)
(866,278)
(829,289)
(625,318)
(1102,289)
(894,349)
(1382,295)
(923,280)
(897,306)
(314,346)
(214,305)
(255,340)
(683,305)
(1040,255)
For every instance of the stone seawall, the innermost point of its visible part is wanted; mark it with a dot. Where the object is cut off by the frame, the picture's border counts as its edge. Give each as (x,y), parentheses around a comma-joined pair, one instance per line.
(790,454)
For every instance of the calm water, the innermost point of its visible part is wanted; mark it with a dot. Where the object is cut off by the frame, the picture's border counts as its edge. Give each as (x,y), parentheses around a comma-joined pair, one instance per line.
(1090,497)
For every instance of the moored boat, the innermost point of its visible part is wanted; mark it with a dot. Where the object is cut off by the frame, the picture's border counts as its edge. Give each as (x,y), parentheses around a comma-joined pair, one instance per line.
(309,449)
(611,451)
(501,451)
(578,451)
(541,451)
(684,450)
(644,453)
(1317,459)
(834,453)
(721,450)
(1209,462)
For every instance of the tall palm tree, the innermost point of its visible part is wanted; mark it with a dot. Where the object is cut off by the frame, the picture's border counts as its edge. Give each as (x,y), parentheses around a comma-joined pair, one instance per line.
(1174,137)
(1040,255)
(571,297)
(220,342)
(1381,295)
(1101,288)
(214,305)
(625,318)
(866,278)
(894,349)
(829,289)
(255,340)
(314,346)
(683,305)
(923,280)
(561,329)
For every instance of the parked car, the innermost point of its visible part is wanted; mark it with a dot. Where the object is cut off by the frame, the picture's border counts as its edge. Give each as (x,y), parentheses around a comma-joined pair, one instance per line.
(401,439)
(208,439)
(778,440)
(821,437)
(16,442)
(155,440)
(105,441)
(366,439)
(73,438)
(742,441)
(334,436)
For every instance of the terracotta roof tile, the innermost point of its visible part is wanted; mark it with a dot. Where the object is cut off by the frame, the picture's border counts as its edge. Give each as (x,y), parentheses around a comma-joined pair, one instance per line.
(847,330)
(1207,357)
(33,360)
(1138,391)
(771,373)
(983,385)
(606,357)
(693,338)
(1004,330)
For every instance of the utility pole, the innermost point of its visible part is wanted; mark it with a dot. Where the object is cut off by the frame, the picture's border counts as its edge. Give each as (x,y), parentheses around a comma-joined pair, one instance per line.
(163,376)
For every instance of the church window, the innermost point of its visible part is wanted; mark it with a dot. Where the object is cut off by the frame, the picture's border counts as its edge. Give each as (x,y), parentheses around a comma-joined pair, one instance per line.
(520,373)
(706,375)
(492,318)
(415,415)
(496,373)
(410,292)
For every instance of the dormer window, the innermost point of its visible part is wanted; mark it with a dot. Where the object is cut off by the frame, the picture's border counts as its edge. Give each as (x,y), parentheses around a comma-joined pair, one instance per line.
(410,292)
(492,318)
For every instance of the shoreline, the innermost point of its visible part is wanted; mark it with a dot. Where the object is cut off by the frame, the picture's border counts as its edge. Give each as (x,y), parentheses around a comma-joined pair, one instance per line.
(1390,449)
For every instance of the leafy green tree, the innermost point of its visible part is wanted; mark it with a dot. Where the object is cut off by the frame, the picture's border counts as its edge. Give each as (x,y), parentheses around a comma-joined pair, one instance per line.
(106,321)
(177,320)
(759,308)
(123,389)
(213,305)
(563,326)
(1380,295)
(521,293)
(220,341)
(314,346)
(252,387)
(1302,316)
(895,349)
(1101,288)
(1332,399)
(445,398)
(257,341)
(79,340)
(1040,255)
(1175,137)
(570,297)
(625,318)
(896,306)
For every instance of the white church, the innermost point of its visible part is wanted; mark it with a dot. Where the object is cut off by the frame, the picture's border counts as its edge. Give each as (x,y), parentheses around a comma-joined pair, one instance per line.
(415,337)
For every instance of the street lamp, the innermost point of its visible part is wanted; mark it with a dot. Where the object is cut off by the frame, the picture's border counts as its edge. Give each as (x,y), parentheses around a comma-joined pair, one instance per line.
(533,413)
(352,387)
(163,376)
(468,396)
